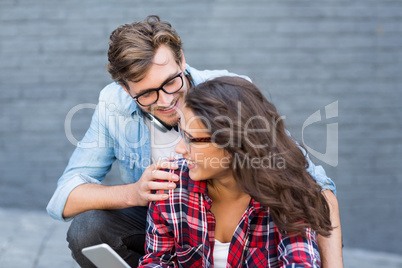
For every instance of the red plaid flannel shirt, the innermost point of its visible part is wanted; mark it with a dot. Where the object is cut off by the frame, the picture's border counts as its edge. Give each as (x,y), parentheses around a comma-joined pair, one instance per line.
(180,233)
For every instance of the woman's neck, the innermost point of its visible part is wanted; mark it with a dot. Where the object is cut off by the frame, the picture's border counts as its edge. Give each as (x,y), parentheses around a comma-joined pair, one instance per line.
(228,206)
(225,189)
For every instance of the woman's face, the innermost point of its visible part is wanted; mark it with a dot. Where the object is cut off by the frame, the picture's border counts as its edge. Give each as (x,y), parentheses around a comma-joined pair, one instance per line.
(205,159)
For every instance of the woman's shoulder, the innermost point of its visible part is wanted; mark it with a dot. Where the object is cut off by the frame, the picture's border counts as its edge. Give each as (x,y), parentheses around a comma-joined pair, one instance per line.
(183,172)
(184,178)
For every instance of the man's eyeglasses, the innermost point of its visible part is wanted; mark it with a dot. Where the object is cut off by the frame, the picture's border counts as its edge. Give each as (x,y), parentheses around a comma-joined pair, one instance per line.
(188,139)
(151,96)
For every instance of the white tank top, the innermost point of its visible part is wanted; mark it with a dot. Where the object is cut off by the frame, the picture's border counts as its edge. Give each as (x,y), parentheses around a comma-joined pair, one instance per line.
(221,252)
(162,143)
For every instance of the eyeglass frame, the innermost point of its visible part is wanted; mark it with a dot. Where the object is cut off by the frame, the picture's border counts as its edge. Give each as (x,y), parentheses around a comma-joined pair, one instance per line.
(158,89)
(188,140)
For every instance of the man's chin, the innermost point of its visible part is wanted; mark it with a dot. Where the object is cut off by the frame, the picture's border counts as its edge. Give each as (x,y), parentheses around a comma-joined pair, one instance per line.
(171,123)
(169,120)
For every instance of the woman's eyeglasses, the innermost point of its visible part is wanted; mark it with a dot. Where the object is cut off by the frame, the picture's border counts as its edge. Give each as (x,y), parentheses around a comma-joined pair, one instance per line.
(188,139)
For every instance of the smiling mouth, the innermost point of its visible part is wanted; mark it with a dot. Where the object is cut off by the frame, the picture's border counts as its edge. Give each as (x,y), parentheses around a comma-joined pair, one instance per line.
(171,108)
(190,164)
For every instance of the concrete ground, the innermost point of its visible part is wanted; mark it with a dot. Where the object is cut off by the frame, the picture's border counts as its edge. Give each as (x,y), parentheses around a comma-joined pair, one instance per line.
(31,239)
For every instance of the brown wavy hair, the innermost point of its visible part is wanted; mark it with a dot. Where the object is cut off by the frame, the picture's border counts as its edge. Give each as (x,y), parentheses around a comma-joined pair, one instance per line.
(133,46)
(248,126)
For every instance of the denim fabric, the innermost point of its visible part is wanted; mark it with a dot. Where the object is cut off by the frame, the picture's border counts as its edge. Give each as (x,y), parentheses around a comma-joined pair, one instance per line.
(122,229)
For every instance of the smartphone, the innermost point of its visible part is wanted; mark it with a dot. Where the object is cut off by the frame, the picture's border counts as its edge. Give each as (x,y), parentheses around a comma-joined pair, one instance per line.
(103,256)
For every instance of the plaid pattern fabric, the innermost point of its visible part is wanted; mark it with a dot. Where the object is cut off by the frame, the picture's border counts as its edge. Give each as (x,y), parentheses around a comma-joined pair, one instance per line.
(180,233)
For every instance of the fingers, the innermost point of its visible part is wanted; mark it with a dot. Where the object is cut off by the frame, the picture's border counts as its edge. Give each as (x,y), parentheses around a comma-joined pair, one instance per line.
(164,175)
(171,158)
(150,186)
(158,191)
(153,185)
(156,197)
(155,172)
(165,164)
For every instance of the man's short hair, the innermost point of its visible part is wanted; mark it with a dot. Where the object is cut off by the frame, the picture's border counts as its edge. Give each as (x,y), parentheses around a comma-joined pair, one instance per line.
(133,46)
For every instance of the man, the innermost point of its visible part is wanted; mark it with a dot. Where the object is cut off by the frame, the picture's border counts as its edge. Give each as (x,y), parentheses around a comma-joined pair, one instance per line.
(134,123)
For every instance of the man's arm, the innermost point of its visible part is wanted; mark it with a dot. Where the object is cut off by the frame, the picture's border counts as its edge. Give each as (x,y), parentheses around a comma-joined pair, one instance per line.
(331,247)
(91,196)
(79,188)
(89,164)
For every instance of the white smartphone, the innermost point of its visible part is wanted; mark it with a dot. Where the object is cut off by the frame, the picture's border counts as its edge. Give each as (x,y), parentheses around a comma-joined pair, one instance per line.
(103,256)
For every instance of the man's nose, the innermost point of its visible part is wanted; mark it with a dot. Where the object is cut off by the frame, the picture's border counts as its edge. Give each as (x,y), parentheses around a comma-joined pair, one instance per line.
(165,99)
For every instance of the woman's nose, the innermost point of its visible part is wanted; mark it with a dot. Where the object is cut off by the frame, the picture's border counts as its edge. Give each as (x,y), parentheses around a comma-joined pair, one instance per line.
(181,147)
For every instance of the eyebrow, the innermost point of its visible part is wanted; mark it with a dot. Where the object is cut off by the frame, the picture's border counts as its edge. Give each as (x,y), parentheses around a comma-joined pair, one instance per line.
(152,89)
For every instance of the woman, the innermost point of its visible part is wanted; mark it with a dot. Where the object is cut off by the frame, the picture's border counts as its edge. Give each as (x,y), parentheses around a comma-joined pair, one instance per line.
(245,198)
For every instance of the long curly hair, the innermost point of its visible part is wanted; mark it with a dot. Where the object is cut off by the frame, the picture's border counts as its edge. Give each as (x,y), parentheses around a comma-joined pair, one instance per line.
(266,162)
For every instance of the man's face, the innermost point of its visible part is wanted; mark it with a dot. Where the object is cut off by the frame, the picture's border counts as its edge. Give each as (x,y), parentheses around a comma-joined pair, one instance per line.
(164,67)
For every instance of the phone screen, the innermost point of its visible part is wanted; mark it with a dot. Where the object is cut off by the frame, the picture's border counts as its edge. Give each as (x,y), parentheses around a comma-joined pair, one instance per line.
(103,256)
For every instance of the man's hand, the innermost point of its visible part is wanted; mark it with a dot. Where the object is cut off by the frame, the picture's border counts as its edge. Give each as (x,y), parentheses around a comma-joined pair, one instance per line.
(91,196)
(142,193)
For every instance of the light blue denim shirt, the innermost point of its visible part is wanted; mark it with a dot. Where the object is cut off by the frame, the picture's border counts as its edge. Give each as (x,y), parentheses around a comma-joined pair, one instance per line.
(118,132)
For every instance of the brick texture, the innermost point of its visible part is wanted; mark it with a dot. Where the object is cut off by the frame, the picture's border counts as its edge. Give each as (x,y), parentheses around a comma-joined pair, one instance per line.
(303,54)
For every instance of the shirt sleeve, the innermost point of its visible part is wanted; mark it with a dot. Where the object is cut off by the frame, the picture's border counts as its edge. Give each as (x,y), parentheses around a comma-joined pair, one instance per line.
(296,251)
(90,162)
(204,75)
(160,244)
(317,172)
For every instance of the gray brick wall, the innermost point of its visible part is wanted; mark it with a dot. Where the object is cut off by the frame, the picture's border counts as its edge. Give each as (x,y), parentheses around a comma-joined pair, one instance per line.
(303,54)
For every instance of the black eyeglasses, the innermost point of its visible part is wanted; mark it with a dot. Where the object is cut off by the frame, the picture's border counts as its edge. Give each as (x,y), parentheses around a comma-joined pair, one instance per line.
(188,140)
(151,96)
